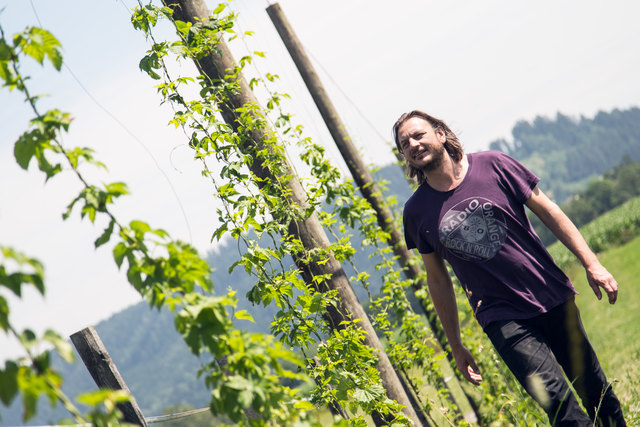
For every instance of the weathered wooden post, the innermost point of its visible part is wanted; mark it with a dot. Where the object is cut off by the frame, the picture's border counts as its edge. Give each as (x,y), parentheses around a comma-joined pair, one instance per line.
(359,170)
(309,231)
(104,372)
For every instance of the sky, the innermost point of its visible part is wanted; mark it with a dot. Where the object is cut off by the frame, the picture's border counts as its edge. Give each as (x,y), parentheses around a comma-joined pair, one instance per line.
(480,66)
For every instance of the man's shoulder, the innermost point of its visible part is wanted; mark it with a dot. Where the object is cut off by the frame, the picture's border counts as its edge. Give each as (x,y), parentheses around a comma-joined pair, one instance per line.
(491,160)
(488,155)
(416,200)
(413,199)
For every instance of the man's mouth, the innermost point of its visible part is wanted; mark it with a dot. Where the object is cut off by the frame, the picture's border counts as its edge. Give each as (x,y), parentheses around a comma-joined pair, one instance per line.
(420,154)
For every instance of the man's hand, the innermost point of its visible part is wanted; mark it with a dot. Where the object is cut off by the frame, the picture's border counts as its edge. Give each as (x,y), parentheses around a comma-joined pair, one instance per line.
(467,365)
(598,277)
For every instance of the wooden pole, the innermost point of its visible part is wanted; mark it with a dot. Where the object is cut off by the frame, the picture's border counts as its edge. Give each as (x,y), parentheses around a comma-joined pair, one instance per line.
(309,231)
(104,372)
(359,170)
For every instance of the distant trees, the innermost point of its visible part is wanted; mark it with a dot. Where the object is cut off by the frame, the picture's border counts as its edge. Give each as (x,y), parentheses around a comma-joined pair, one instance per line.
(601,195)
(567,153)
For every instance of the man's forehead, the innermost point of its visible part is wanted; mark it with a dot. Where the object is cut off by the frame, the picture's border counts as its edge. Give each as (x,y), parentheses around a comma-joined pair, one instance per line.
(414,124)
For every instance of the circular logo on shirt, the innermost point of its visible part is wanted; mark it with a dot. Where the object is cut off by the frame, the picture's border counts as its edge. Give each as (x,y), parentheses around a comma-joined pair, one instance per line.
(473,229)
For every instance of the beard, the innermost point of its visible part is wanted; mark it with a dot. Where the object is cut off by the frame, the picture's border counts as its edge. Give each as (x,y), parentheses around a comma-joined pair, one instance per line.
(437,157)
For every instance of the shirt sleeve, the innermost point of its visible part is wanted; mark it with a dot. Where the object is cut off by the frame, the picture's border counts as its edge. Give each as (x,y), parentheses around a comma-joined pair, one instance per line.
(412,235)
(516,177)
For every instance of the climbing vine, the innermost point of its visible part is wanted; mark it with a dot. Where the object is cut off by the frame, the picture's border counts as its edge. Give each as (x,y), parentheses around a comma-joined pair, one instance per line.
(300,320)
(166,272)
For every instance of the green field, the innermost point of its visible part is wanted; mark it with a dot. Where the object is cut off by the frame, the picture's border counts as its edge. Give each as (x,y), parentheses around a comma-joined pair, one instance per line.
(612,229)
(614,330)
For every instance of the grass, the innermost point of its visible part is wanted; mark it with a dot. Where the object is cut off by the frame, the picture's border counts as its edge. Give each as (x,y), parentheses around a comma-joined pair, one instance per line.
(614,228)
(614,330)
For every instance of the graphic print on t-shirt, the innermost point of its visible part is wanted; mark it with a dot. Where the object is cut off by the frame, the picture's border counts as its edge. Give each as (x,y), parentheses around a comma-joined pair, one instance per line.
(473,229)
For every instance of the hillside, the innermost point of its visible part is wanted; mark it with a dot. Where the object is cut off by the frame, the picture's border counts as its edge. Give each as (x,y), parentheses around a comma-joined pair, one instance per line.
(566,153)
(615,187)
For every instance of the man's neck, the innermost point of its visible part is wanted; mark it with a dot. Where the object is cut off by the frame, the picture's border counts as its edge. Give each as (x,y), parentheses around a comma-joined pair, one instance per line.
(449,175)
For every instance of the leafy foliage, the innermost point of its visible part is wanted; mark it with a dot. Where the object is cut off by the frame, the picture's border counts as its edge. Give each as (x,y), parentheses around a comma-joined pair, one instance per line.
(32,375)
(258,196)
(174,276)
(346,372)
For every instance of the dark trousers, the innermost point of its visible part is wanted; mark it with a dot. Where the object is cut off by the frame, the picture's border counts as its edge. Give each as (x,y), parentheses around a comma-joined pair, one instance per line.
(540,349)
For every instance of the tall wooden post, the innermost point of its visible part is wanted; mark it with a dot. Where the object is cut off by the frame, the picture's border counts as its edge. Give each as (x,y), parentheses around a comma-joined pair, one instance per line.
(104,372)
(309,231)
(359,170)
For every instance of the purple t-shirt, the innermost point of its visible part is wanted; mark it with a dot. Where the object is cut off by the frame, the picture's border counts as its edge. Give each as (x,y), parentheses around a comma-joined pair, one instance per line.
(481,229)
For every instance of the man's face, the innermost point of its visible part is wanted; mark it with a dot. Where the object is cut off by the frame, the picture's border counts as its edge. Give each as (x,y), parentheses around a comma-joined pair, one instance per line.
(421,145)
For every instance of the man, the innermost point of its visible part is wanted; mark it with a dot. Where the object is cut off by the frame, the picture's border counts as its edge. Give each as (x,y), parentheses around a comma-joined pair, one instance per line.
(469,210)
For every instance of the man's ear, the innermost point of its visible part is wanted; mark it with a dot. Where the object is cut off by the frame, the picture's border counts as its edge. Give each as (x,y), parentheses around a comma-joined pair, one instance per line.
(442,137)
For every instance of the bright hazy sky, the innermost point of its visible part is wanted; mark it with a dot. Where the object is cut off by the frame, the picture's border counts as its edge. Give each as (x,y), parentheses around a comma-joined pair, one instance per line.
(480,66)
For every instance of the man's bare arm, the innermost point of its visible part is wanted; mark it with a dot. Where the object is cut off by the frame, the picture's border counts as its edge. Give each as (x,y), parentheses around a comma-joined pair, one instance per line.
(562,227)
(444,301)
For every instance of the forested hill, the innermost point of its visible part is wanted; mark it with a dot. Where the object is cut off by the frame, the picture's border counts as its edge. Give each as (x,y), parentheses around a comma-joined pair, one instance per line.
(566,153)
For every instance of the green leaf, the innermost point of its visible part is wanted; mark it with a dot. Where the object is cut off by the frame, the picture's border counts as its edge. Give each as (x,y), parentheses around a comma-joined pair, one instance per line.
(218,9)
(15,280)
(4,314)
(24,149)
(245,397)
(38,44)
(119,252)
(36,143)
(31,387)
(95,398)
(58,120)
(219,232)
(304,405)
(244,315)
(150,63)
(62,346)
(27,338)
(78,153)
(117,188)
(239,383)
(139,227)
(67,213)
(368,395)
(6,52)
(182,27)
(91,196)
(7,75)
(178,48)
(8,382)
(106,235)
